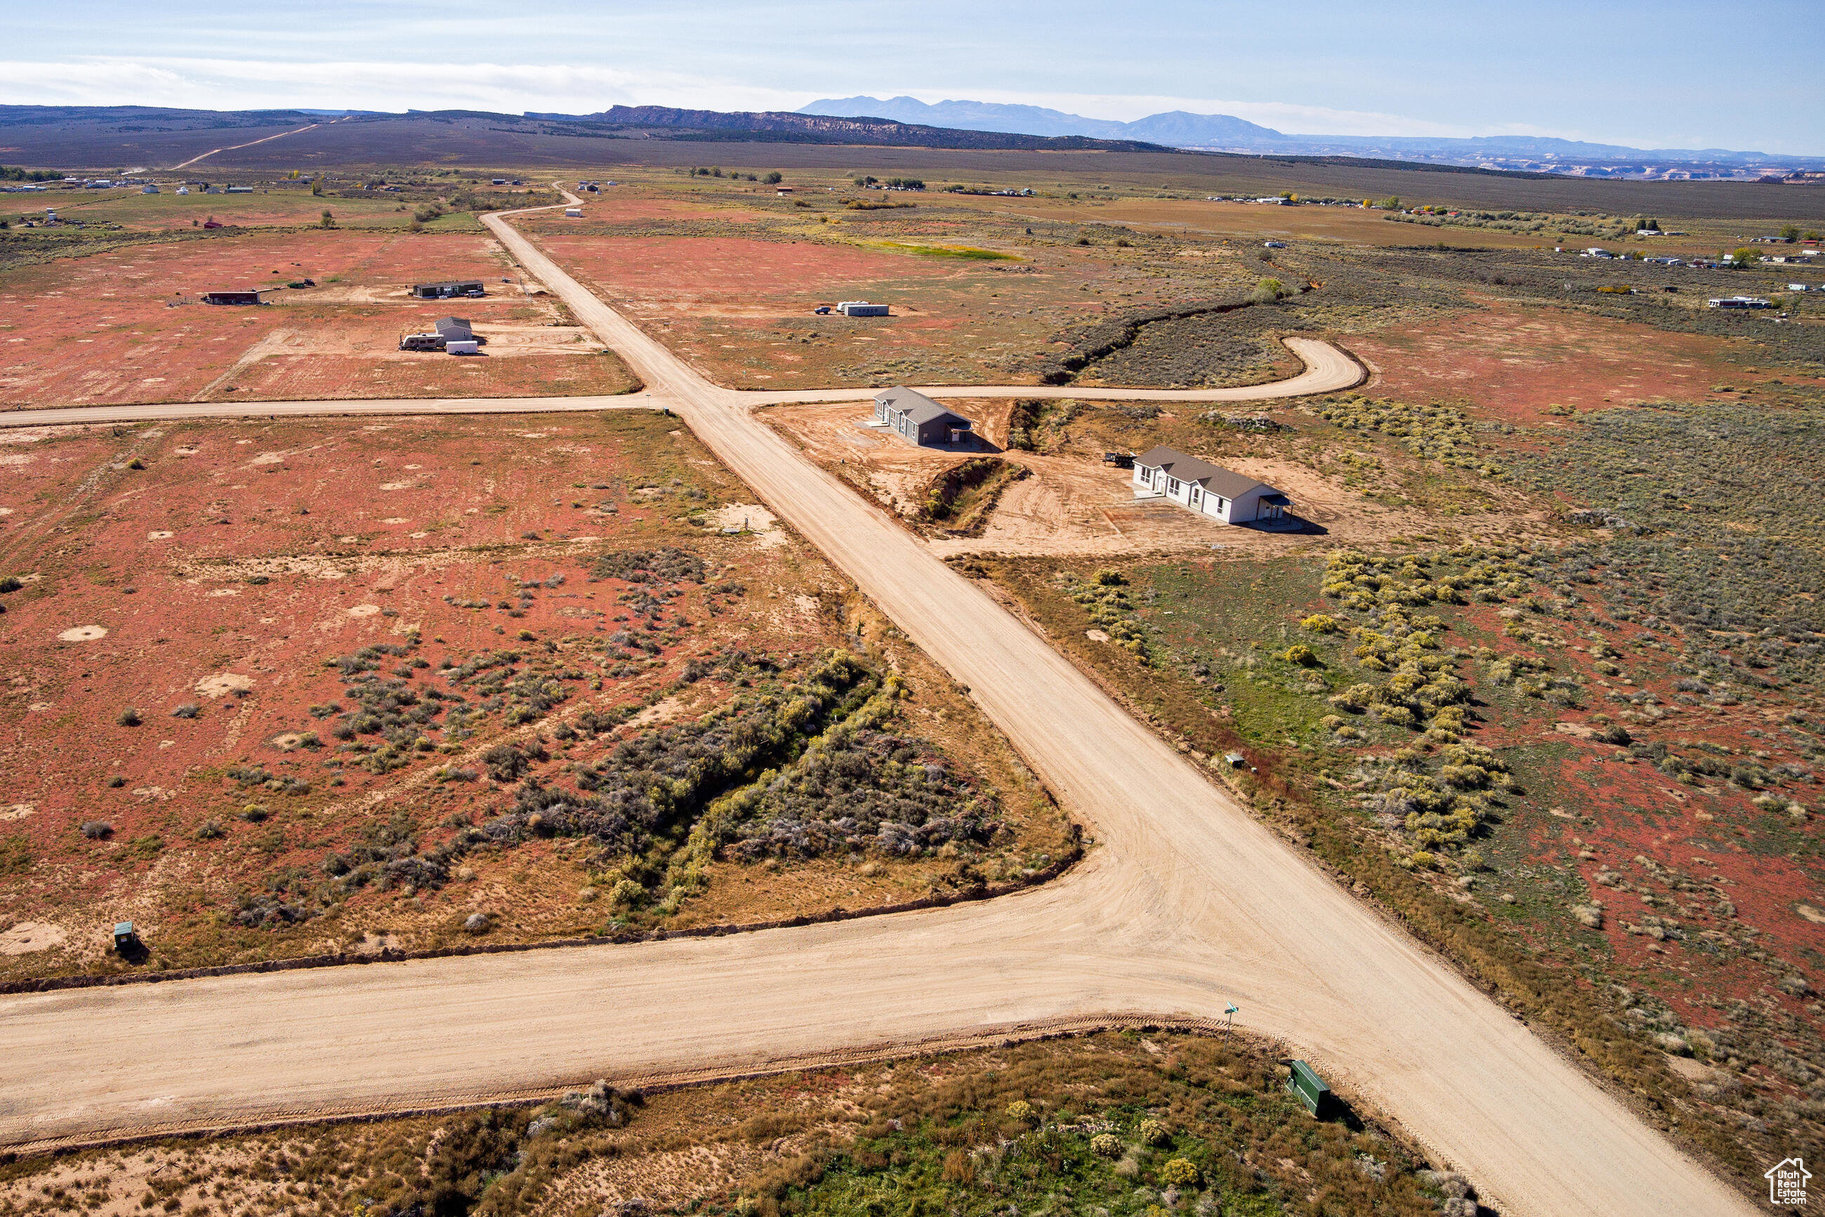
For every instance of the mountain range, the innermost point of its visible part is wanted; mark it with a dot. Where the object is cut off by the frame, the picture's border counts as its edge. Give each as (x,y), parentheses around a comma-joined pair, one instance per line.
(1226,133)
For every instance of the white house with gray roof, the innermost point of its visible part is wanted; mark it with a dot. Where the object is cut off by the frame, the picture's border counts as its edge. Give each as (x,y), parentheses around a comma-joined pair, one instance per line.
(918,419)
(1210,490)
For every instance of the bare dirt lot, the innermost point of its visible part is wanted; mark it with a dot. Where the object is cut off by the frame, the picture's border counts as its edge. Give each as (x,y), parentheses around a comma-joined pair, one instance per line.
(124,325)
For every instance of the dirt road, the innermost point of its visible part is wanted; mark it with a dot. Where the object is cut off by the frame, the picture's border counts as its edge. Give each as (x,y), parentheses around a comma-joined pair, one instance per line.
(1184,903)
(203,156)
(1327,370)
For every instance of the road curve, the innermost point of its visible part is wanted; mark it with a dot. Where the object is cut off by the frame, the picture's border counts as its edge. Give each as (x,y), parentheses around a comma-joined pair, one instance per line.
(1185,902)
(1327,370)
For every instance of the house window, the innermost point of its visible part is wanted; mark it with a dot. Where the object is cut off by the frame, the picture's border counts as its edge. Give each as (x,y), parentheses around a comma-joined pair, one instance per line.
(1197,496)
(1146,475)
(1172,484)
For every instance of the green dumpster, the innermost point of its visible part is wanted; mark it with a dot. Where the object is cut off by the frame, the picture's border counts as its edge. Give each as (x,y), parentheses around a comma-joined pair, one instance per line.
(1310,1088)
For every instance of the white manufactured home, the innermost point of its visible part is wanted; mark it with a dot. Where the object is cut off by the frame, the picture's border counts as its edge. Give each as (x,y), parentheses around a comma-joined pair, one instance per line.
(1209,490)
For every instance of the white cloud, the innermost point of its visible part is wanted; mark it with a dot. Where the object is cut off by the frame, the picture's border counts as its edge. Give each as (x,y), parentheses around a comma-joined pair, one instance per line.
(229,84)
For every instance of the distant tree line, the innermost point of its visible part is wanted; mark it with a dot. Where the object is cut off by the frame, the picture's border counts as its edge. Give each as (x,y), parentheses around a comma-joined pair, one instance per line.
(15,173)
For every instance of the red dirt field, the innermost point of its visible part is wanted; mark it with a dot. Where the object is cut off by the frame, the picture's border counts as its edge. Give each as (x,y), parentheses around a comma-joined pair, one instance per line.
(1511,362)
(741,309)
(732,271)
(100,330)
(213,591)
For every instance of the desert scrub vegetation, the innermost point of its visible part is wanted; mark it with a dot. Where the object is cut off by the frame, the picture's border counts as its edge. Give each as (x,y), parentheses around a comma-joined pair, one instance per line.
(1208,349)
(1694,496)
(1109,608)
(962,498)
(1434,432)
(786,769)
(1441,790)
(1081,1125)
(1104,339)
(1208,1130)
(799,764)
(1591,224)
(1038,424)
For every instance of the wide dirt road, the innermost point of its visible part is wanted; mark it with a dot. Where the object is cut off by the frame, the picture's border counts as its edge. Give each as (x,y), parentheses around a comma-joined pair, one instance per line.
(1186,902)
(1327,370)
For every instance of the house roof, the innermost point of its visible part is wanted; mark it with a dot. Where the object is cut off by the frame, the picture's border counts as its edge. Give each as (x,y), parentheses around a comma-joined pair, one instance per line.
(455,327)
(916,406)
(1225,483)
(450,283)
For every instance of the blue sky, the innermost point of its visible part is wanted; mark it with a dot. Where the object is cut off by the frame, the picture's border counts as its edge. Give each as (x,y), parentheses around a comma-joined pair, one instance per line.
(1677,73)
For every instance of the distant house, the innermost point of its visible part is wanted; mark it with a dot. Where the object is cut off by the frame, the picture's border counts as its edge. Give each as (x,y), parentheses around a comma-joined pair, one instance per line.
(861,308)
(920,420)
(456,329)
(149,188)
(1207,489)
(444,291)
(232,297)
(1739,302)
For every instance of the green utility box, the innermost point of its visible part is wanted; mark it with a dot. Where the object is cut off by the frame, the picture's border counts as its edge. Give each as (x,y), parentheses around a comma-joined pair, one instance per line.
(1310,1088)
(126,939)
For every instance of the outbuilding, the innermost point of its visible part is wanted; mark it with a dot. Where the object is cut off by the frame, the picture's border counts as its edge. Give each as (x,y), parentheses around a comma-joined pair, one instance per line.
(447,290)
(246,297)
(918,419)
(1209,490)
(456,329)
(861,308)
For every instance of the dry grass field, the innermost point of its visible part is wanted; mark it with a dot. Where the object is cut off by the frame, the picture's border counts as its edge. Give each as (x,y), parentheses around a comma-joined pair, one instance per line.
(267,680)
